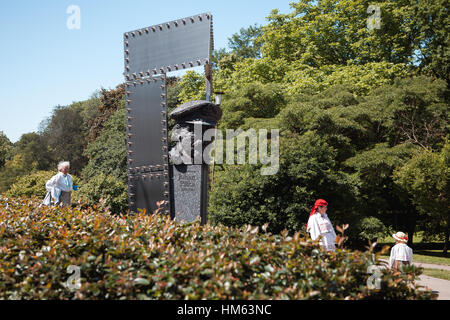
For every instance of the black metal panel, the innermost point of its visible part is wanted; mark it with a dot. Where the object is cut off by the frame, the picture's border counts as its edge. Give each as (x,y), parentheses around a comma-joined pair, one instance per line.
(145,121)
(148,164)
(148,189)
(169,46)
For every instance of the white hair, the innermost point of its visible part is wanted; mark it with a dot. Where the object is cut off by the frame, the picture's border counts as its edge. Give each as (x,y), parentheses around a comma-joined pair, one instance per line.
(63,164)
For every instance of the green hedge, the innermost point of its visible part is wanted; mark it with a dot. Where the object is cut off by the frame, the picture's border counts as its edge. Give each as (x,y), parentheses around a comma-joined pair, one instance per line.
(104,191)
(151,257)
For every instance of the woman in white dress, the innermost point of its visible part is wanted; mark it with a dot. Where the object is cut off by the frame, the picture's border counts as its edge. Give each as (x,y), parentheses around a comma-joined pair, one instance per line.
(401,254)
(320,225)
(60,186)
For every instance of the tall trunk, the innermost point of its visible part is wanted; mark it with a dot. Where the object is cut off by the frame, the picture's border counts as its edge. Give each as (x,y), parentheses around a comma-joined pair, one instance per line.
(412,217)
(447,234)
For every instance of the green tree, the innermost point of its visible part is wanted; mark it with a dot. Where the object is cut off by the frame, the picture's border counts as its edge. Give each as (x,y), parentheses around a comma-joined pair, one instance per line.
(89,111)
(12,170)
(412,110)
(430,26)
(360,79)
(245,44)
(241,195)
(173,93)
(110,102)
(372,228)
(380,198)
(173,98)
(5,148)
(66,137)
(192,87)
(236,74)
(426,178)
(330,32)
(373,135)
(256,100)
(35,151)
(29,154)
(108,154)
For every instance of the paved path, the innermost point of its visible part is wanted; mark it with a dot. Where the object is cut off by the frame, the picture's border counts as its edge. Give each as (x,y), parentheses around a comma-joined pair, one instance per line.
(439,286)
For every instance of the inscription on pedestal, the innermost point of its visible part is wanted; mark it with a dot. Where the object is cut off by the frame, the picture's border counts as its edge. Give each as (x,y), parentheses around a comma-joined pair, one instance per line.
(187,187)
(187,183)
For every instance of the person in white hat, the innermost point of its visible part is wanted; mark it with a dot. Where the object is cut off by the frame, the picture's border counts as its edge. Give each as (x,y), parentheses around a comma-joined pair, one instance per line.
(401,254)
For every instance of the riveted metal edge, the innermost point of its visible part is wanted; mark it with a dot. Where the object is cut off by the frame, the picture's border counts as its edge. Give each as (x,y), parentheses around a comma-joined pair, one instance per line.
(167,25)
(151,171)
(211,41)
(138,75)
(165,146)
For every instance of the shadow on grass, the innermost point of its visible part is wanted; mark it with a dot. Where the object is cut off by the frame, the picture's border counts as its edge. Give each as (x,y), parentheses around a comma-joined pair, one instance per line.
(421,247)
(438,254)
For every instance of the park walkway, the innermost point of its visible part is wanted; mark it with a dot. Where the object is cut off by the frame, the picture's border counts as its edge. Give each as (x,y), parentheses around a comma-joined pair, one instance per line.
(439,286)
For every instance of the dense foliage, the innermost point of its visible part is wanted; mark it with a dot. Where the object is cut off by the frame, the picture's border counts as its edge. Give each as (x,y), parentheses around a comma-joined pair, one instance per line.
(426,177)
(152,257)
(242,195)
(107,153)
(104,191)
(377,98)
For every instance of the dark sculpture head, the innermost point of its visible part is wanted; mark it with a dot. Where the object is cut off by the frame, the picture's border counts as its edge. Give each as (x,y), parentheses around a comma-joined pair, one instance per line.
(198,111)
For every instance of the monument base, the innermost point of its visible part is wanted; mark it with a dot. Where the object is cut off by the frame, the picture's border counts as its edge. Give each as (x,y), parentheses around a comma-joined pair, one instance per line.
(189,186)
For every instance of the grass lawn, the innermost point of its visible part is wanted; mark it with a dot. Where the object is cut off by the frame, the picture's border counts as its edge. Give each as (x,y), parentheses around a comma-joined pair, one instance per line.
(436,273)
(428,256)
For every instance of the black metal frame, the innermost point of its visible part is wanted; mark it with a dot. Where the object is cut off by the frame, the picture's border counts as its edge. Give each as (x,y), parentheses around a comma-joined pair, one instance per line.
(149,54)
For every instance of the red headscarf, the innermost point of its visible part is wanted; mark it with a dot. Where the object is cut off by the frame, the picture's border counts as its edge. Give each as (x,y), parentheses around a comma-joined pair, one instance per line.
(318,203)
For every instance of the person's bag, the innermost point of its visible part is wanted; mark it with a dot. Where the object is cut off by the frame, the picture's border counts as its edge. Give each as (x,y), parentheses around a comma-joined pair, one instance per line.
(48,199)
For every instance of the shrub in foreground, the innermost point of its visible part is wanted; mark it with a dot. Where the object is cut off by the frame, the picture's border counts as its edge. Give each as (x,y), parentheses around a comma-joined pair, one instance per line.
(145,256)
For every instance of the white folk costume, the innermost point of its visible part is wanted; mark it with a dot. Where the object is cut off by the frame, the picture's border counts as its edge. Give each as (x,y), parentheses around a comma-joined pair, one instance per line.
(319,225)
(59,187)
(401,251)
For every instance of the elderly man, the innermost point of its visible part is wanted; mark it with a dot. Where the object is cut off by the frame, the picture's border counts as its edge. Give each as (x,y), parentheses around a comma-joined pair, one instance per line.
(60,186)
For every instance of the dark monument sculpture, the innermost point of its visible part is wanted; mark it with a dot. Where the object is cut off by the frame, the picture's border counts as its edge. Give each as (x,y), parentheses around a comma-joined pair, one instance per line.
(189,172)
(150,53)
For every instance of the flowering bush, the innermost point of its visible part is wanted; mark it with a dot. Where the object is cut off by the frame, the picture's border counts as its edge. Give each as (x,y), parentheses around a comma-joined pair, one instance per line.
(144,256)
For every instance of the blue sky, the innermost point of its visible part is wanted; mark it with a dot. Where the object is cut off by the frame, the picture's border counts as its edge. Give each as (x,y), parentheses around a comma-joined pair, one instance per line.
(44,64)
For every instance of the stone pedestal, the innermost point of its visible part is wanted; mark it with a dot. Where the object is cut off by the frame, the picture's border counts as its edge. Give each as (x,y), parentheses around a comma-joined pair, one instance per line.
(189,184)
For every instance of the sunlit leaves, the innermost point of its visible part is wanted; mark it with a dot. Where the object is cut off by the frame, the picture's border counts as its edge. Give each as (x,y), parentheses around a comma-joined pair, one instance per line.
(151,257)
